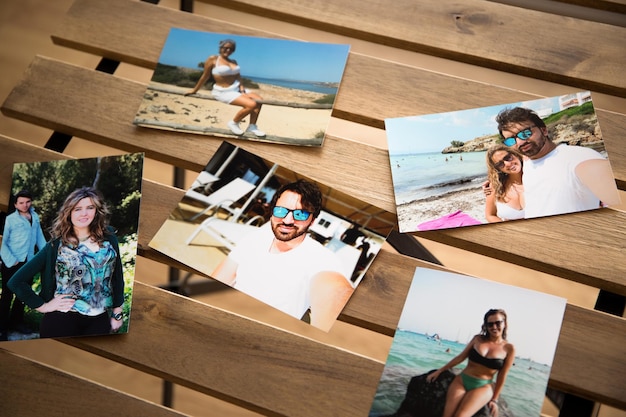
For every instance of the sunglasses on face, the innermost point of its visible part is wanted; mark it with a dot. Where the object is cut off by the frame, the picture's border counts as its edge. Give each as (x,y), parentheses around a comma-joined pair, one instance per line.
(497,323)
(500,164)
(522,135)
(282,212)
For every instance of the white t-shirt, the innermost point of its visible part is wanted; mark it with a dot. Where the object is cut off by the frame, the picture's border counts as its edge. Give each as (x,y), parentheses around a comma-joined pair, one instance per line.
(551,185)
(281,280)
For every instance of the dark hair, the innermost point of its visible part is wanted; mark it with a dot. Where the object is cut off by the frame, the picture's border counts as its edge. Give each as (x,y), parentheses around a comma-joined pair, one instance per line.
(310,195)
(484,327)
(230,41)
(24,194)
(62,227)
(508,116)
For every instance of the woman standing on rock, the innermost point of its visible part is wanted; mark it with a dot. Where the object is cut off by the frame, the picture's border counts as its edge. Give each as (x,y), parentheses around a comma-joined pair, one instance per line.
(488,354)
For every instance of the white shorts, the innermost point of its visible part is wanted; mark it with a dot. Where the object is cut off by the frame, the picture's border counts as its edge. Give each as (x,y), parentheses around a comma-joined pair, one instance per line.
(226,94)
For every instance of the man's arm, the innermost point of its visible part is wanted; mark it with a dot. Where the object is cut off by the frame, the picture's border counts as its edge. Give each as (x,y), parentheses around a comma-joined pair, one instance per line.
(330,292)
(597,175)
(225,272)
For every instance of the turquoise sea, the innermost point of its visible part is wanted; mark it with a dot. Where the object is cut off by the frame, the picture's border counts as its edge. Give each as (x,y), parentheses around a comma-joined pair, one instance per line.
(324,88)
(424,175)
(414,354)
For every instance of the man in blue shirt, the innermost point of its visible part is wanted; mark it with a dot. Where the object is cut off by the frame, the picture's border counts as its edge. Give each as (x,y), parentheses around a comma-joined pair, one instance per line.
(22,232)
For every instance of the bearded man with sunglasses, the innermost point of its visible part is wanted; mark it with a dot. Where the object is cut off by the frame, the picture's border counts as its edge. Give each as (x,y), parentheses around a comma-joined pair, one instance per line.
(557,179)
(281,265)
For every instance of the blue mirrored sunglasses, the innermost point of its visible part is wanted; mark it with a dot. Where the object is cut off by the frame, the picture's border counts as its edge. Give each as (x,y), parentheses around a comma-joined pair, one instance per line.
(523,135)
(298,214)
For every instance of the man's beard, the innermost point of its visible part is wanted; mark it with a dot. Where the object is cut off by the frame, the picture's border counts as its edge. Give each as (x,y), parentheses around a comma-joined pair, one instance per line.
(533,148)
(293,232)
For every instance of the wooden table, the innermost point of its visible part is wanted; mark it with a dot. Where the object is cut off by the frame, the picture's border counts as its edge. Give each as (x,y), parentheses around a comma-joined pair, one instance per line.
(294,370)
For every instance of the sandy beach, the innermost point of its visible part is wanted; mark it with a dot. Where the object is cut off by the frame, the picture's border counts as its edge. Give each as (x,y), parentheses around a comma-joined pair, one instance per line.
(166,107)
(470,202)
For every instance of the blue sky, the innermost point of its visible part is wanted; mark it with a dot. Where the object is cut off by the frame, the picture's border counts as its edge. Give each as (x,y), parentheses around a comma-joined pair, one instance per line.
(434,132)
(260,57)
(453,306)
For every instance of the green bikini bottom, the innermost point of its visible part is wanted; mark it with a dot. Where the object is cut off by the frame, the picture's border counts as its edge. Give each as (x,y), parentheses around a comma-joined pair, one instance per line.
(470,382)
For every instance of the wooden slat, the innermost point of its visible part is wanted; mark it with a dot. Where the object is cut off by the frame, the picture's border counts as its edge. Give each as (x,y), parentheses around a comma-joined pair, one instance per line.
(584,331)
(482,33)
(241,361)
(239,353)
(116,101)
(161,316)
(281,372)
(555,257)
(417,92)
(31,389)
(617,6)
(102,113)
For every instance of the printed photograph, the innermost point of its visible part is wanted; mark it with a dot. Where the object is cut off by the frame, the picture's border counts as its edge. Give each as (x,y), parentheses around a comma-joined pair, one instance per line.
(293,243)
(469,346)
(232,86)
(69,245)
(508,162)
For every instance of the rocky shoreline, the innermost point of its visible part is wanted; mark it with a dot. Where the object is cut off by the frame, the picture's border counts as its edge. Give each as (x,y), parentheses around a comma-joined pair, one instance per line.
(427,399)
(583,133)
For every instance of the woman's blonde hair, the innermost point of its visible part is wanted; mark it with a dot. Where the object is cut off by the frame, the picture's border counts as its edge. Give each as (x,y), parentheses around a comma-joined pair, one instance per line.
(496,178)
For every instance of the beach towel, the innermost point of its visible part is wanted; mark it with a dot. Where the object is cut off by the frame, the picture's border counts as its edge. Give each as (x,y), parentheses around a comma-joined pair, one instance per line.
(456,219)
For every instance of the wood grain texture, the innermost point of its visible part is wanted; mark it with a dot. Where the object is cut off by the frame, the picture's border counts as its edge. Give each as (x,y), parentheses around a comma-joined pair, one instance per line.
(249,363)
(104,112)
(482,33)
(617,6)
(101,114)
(582,332)
(172,321)
(297,372)
(38,390)
(416,91)
(239,360)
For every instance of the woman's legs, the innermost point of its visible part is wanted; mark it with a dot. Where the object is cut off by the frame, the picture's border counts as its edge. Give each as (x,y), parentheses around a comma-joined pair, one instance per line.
(474,400)
(455,394)
(249,107)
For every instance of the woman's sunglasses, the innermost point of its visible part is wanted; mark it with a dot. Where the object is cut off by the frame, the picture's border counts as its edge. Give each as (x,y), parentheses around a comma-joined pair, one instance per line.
(500,164)
(497,323)
(522,135)
(282,212)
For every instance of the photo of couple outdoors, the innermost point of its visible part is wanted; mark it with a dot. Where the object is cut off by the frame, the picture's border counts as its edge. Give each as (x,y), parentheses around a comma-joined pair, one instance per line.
(517,161)
(290,242)
(481,354)
(69,246)
(273,90)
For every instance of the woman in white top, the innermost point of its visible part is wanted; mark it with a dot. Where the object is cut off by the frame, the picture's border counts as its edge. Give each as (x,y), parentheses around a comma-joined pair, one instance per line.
(228,88)
(504,189)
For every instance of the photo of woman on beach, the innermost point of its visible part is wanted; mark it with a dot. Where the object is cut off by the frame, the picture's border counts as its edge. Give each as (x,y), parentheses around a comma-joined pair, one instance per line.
(216,84)
(464,168)
(80,282)
(475,387)
(228,88)
(474,354)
